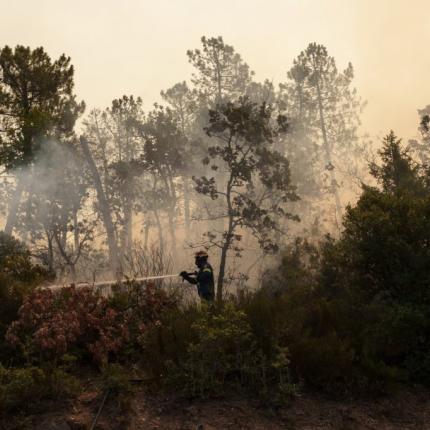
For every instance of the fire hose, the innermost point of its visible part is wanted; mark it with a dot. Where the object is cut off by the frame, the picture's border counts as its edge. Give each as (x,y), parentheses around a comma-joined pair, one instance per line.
(108,283)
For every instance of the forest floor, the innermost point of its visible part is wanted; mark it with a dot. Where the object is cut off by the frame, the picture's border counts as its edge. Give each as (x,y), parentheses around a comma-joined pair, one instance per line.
(406,409)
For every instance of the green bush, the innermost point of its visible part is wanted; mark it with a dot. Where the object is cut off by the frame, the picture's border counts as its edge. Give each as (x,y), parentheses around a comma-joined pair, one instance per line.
(399,337)
(209,351)
(23,389)
(19,387)
(325,326)
(219,354)
(116,379)
(356,310)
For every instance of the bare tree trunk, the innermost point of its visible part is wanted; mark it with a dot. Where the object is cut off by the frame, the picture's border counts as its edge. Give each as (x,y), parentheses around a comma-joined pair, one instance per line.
(223,261)
(14,206)
(170,186)
(20,186)
(63,236)
(327,150)
(122,244)
(226,245)
(130,232)
(219,80)
(73,271)
(187,211)
(171,218)
(160,230)
(128,228)
(126,237)
(105,210)
(146,235)
(75,230)
(50,253)
(59,239)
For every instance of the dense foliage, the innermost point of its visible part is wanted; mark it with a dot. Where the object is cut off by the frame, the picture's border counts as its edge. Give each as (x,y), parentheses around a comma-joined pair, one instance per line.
(363,317)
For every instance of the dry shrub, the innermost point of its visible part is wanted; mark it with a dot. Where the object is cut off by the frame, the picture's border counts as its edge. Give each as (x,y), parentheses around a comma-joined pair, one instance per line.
(152,261)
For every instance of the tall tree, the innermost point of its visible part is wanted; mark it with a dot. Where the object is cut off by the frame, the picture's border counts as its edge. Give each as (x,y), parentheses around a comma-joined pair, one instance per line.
(116,148)
(301,147)
(421,147)
(398,172)
(114,257)
(182,103)
(122,120)
(325,98)
(389,220)
(257,185)
(261,92)
(165,152)
(221,74)
(36,102)
(57,221)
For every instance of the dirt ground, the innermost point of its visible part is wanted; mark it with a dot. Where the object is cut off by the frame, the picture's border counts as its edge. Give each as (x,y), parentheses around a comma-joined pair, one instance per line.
(407,409)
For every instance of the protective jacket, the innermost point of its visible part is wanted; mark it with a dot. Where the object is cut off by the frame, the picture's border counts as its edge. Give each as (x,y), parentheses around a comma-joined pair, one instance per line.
(204,279)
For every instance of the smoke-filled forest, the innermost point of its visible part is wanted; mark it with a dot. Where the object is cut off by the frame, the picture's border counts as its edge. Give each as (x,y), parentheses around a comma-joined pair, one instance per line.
(237,254)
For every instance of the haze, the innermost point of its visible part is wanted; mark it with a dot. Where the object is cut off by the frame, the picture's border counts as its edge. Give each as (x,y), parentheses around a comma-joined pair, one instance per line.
(138,47)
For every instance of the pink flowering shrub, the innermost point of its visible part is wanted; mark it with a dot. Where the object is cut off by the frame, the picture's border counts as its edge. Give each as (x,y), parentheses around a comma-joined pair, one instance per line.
(144,307)
(52,323)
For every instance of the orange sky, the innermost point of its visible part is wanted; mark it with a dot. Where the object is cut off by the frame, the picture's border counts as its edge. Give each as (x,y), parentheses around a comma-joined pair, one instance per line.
(138,46)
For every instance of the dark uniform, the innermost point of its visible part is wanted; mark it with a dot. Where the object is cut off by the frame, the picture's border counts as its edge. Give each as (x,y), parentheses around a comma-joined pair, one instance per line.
(204,278)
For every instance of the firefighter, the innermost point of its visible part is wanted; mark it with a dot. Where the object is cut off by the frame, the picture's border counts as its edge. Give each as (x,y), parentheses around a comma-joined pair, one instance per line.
(204,278)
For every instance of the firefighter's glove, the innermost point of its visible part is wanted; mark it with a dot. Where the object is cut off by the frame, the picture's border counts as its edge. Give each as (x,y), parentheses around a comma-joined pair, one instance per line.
(184,274)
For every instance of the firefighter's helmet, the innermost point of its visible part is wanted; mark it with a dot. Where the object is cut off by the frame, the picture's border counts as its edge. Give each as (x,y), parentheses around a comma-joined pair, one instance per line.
(201,254)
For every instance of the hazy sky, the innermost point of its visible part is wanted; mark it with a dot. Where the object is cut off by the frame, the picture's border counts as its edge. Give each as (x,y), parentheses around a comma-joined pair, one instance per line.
(138,46)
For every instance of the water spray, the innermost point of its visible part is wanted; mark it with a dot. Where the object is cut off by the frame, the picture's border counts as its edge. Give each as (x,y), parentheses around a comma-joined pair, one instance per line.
(109,283)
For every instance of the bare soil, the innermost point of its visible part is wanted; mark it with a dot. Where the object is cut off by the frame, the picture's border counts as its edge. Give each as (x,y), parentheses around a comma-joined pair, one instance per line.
(403,410)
